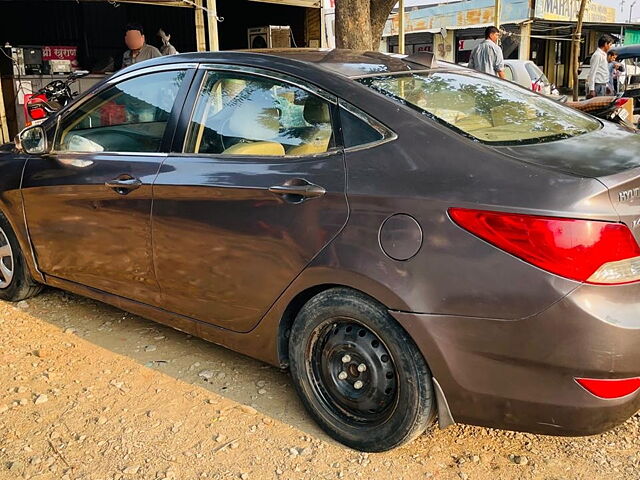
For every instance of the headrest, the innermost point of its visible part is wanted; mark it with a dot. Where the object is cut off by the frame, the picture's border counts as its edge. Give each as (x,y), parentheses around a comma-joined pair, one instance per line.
(253,122)
(231,87)
(316,111)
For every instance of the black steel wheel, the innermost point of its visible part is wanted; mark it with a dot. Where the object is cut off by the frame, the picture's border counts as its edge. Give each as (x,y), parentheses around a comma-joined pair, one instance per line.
(359,373)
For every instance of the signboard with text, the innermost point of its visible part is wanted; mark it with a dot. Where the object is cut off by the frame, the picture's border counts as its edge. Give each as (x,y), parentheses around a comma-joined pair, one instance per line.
(61,53)
(471,13)
(568,10)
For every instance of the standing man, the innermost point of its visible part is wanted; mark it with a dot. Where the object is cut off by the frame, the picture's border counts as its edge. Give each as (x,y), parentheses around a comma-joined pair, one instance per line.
(138,49)
(487,56)
(598,77)
(616,70)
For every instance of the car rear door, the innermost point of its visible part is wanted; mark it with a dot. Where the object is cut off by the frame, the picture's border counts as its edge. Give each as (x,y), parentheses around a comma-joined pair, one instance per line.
(88,204)
(255,190)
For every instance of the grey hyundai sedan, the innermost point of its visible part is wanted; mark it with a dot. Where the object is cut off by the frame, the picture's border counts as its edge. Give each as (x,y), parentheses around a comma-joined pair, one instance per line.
(413,240)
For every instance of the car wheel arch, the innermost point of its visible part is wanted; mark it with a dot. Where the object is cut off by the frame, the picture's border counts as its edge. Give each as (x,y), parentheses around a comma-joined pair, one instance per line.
(298,301)
(17,222)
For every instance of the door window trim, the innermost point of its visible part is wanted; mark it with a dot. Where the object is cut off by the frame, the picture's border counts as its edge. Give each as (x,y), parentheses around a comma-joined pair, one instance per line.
(388,135)
(184,90)
(294,81)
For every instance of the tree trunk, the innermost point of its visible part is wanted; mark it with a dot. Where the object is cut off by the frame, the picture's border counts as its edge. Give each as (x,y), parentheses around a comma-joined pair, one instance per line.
(359,23)
(575,45)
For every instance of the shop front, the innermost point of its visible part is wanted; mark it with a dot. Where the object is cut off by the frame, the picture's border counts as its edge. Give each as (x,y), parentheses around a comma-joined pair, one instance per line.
(456,27)
(41,41)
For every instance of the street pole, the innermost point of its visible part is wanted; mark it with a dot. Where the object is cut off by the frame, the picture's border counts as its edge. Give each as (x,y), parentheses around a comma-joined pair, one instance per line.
(631,9)
(401,28)
(496,14)
(212,25)
(577,36)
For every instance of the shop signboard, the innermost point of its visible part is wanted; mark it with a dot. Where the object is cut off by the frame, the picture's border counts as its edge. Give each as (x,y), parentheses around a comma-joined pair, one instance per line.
(631,37)
(469,14)
(61,53)
(568,10)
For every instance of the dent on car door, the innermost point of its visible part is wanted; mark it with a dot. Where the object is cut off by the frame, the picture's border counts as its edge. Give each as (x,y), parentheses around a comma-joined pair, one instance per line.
(259,191)
(88,203)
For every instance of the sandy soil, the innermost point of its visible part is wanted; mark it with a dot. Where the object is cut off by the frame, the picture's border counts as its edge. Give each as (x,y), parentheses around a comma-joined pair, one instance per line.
(90,392)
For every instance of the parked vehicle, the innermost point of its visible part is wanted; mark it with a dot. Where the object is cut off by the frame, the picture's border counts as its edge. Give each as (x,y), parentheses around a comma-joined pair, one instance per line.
(52,97)
(413,240)
(611,108)
(529,75)
(630,56)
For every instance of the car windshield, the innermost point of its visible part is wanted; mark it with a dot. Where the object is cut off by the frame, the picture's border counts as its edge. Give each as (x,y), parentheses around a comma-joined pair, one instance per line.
(485,109)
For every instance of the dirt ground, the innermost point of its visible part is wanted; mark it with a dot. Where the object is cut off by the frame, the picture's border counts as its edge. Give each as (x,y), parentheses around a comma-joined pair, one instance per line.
(90,392)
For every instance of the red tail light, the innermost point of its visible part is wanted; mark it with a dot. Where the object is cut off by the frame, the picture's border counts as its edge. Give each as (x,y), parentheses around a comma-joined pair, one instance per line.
(583,250)
(610,388)
(37,113)
(35,107)
(621,102)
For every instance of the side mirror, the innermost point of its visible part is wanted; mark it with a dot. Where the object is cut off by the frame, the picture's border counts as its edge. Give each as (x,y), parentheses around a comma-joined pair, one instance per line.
(32,140)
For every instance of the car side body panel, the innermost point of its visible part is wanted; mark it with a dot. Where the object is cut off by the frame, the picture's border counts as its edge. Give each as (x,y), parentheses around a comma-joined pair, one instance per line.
(11,204)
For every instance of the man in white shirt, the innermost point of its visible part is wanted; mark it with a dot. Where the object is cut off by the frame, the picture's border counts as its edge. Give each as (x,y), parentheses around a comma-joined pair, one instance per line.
(487,56)
(598,77)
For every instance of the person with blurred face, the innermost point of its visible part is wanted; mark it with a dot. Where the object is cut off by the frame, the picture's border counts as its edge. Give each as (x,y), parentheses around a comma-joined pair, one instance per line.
(138,49)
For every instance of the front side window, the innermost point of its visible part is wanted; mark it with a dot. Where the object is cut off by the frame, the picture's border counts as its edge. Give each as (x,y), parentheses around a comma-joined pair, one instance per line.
(242,114)
(131,116)
(483,108)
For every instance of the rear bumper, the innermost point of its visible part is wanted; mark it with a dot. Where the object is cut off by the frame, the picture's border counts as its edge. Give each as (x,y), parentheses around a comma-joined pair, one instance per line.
(519,375)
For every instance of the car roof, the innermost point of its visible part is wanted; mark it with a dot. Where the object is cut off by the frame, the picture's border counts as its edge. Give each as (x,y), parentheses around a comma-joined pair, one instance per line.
(629,51)
(347,63)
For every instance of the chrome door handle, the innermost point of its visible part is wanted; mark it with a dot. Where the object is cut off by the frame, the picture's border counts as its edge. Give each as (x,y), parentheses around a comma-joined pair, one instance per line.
(124,185)
(298,190)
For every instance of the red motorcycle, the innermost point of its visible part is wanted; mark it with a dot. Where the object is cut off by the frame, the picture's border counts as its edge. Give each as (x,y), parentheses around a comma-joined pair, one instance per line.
(52,97)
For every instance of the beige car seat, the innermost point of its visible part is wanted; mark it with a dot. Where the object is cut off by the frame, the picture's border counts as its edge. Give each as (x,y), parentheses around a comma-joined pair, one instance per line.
(316,113)
(255,125)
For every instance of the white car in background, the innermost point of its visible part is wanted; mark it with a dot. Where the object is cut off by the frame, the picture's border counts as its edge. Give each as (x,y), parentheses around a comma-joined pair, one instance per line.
(529,75)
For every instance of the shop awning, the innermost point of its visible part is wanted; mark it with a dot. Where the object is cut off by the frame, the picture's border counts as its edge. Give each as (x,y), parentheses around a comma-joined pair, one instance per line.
(295,3)
(160,3)
(180,3)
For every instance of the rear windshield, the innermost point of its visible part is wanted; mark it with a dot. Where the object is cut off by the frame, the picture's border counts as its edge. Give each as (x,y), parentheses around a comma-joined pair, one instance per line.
(489,110)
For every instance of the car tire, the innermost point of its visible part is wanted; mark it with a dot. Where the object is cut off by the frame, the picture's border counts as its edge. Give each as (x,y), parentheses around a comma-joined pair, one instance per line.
(341,337)
(16,282)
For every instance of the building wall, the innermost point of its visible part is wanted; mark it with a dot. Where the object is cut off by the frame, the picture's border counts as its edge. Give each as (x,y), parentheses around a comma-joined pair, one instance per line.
(96,28)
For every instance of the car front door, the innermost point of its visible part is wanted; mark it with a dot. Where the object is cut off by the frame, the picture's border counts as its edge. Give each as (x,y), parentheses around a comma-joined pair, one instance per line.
(258,191)
(88,203)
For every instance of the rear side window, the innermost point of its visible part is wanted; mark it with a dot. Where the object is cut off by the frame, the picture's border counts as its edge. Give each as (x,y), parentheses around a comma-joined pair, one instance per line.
(356,132)
(248,115)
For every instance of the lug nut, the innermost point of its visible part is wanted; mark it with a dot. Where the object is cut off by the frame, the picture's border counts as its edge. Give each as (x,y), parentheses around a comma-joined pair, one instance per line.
(358,385)
(362,368)
(346,359)
(342,375)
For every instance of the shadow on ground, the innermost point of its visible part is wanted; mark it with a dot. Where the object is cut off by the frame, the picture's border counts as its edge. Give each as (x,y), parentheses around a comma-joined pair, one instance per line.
(174,353)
